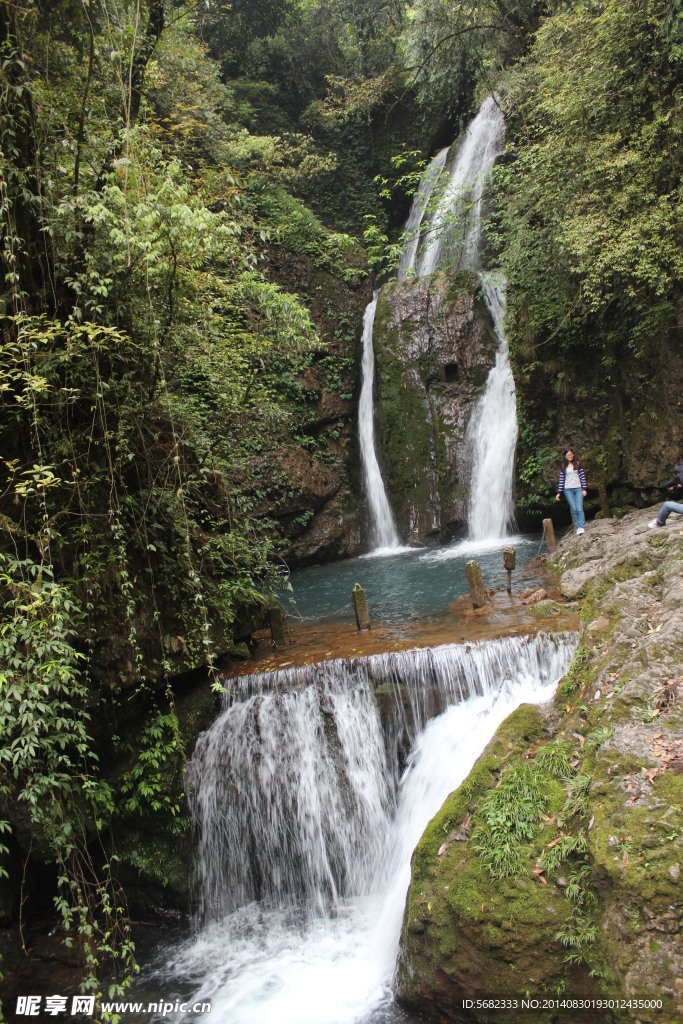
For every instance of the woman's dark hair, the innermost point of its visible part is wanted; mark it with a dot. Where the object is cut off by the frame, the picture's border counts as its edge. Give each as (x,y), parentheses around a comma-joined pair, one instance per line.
(565,461)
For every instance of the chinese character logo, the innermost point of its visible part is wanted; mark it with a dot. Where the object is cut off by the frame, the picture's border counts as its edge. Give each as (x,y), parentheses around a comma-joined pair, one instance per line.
(28,1006)
(83,1004)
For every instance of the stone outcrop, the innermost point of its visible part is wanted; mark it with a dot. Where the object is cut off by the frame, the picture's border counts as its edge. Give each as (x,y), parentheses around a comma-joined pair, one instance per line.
(434,346)
(311,486)
(607,761)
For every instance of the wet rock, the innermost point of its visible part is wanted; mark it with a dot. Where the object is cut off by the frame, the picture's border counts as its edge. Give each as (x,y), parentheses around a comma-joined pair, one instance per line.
(535,596)
(434,345)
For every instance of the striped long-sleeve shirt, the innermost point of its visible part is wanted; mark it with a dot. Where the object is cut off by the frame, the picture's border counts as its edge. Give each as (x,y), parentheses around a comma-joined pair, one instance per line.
(582,477)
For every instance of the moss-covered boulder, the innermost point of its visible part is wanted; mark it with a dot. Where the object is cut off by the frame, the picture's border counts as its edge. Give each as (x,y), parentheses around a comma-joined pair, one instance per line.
(434,346)
(555,867)
(468,934)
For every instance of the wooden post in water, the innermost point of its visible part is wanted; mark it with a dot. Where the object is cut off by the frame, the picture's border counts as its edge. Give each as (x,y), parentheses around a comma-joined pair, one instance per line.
(360,607)
(276,616)
(509,564)
(476,584)
(549,533)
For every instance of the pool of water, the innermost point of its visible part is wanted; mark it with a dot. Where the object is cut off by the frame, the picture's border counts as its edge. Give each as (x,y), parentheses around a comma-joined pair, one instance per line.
(402,583)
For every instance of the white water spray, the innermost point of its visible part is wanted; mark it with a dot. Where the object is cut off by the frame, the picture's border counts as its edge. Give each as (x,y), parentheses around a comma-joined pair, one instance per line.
(411,232)
(454,229)
(383,527)
(304,924)
(492,434)
(453,236)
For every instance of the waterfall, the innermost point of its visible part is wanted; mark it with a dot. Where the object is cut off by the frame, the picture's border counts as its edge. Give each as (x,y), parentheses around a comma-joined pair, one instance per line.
(309,793)
(454,228)
(450,234)
(453,235)
(384,530)
(411,232)
(492,433)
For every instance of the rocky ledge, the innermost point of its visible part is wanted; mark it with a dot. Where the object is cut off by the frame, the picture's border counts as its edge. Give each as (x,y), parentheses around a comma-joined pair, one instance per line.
(554,870)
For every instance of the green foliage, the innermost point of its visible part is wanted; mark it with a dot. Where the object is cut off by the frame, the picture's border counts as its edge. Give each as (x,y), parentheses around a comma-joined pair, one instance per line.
(508,816)
(145,786)
(449,48)
(48,767)
(565,847)
(43,716)
(592,180)
(149,375)
(590,188)
(596,738)
(577,796)
(578,933)
(555,759)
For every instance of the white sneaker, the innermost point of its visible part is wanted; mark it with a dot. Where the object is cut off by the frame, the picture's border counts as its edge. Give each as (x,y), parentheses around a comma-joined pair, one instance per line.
(579,531)
(651,525)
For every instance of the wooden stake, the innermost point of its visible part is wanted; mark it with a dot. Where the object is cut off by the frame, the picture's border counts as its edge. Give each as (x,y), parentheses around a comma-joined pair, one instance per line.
(277,626)
(549,532)
(476,584)
(360,607)
(509,564)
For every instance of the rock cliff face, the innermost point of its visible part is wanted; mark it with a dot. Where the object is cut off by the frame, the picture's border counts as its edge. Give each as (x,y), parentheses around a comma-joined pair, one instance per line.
(316,502)
(593,907)
(622,415)
(434,346)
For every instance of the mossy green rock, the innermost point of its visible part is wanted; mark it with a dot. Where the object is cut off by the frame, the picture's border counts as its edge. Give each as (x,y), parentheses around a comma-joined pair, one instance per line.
(618,716)
(434,345)
(468,935)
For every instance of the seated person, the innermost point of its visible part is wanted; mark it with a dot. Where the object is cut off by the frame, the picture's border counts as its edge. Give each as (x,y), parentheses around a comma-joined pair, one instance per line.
(676,486)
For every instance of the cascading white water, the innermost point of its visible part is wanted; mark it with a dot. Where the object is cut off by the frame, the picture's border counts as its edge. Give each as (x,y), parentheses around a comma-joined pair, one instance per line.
(278,785)
(453,235)
(302,921)
(492,433)
(411,232)
(454,228)
(383,527)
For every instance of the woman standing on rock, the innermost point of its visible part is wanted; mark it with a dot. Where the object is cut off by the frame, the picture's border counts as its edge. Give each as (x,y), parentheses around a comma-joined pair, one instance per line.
(573,483)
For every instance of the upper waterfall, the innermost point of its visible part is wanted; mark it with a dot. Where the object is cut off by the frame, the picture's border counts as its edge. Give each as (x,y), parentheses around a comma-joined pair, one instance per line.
(411,232)
(453,229)
(384,529)
(452,236)
(444,231)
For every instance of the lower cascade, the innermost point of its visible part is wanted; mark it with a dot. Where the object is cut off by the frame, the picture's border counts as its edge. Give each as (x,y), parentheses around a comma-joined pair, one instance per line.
(309,794)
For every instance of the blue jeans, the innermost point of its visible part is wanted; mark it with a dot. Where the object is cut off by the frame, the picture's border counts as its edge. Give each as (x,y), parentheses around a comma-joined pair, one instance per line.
(667,508)
(574,497)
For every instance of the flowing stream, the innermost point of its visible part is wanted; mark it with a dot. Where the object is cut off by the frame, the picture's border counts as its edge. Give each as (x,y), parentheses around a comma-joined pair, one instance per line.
(309,793)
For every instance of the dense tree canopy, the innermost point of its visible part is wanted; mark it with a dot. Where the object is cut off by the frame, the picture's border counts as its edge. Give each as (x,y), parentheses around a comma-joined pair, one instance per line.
(590,208)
